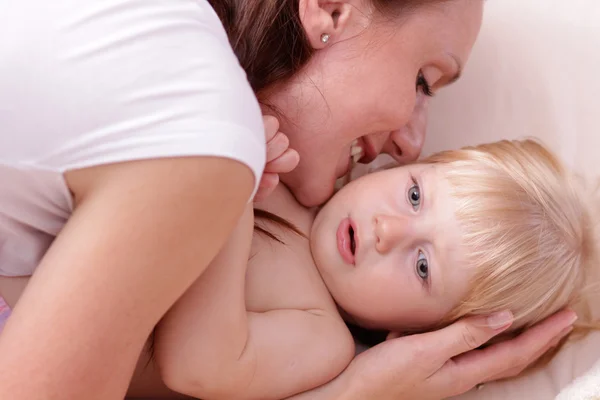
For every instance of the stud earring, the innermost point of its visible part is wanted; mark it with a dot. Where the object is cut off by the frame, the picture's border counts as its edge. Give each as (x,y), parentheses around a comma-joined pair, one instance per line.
(325,38)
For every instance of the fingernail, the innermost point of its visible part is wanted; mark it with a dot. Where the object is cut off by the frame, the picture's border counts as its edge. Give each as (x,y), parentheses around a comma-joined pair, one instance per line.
(500,320)
(573,319)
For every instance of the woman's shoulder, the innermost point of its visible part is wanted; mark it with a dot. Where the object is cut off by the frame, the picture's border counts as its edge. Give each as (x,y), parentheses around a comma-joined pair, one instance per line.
(117,81)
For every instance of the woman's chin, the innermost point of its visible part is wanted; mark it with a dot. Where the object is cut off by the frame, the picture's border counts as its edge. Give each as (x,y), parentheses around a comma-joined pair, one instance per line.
(310,194)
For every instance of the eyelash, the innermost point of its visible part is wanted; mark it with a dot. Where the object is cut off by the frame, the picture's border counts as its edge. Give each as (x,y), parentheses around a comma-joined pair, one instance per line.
(415,184)
(423,85)
(425,282)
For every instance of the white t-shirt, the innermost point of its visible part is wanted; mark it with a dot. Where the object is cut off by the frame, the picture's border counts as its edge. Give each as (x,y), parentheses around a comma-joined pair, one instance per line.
(90,82)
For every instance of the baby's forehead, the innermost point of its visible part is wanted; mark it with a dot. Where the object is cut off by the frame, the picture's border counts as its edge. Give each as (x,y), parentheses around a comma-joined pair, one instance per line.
(429,170)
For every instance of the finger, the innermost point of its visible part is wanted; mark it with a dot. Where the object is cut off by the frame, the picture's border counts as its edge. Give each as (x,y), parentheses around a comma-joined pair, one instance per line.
(467,334)
(268,180)
(266,186)
(513,356)
(517,369)
(498,360)
(271,126)
(285,163)
(277,146)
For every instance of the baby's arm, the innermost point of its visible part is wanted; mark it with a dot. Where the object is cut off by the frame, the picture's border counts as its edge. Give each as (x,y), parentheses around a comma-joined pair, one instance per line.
(209,347)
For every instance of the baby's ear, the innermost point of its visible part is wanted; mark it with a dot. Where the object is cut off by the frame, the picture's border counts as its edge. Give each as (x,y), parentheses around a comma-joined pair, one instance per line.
(393,335)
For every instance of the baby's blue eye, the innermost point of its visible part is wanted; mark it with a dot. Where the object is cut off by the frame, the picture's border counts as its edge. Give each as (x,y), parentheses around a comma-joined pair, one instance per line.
(414,196)
(422,266)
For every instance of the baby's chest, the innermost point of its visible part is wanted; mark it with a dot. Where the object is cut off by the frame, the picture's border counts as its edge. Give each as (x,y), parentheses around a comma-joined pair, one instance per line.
(283,276)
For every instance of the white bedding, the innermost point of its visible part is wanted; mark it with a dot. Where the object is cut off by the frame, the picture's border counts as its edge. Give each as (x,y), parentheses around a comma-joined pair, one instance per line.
(584,387)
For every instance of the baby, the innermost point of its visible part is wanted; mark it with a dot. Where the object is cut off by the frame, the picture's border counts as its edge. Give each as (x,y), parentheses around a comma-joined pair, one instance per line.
(501,226)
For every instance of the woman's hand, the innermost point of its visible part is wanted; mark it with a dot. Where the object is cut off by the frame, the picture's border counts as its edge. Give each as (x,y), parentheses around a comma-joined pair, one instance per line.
(280,158)
(444,363)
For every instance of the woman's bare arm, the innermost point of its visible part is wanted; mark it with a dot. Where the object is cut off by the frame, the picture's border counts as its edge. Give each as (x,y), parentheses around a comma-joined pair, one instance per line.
(140,234)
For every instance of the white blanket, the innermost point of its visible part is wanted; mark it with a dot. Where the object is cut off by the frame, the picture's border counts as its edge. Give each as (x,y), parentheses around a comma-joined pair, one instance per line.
(586,387)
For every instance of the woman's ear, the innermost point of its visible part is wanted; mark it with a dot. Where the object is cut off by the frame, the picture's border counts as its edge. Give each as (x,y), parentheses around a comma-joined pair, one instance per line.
(324,21)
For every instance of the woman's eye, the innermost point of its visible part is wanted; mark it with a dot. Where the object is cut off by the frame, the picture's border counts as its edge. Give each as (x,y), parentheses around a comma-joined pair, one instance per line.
(414,196)
(423,85)
(422,266)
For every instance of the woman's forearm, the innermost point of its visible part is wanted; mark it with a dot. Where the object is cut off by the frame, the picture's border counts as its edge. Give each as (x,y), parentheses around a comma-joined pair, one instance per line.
(128,252)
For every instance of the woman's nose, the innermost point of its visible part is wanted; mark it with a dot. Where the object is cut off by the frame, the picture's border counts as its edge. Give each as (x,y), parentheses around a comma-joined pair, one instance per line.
(391,232)
(406,143)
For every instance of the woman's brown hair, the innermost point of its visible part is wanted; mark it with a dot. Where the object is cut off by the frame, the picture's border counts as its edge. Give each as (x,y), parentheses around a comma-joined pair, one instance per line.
(268,38)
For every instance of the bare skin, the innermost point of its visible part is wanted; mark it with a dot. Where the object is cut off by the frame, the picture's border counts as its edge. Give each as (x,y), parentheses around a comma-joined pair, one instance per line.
(297,286)
(278,277)
(146,378)
(268,256)
(140,288)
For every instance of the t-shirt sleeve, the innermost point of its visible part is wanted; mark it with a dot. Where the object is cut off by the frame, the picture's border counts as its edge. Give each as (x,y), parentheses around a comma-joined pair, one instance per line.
(98,82)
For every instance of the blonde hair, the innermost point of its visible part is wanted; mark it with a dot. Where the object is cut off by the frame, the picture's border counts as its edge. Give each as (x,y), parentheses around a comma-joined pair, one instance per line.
(528,228)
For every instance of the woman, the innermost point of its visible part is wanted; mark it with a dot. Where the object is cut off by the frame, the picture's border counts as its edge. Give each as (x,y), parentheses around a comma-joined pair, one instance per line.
(118,116)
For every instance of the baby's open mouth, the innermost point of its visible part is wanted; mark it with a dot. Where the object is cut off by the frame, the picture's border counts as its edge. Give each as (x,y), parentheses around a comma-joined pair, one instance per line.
(352,241)
(347,240)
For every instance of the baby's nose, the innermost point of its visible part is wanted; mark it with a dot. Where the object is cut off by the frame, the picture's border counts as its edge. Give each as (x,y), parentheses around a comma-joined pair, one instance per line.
(391,232)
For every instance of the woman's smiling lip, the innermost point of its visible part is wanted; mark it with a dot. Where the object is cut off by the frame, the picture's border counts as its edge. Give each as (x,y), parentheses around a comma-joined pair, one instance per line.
(344,242)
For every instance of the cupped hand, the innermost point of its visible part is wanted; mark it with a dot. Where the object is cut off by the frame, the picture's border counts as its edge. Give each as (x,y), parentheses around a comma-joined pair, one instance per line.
(445,363)
(280,158)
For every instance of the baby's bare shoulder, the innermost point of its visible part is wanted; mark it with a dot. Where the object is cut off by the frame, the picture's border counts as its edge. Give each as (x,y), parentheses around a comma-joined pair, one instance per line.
(281,271)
